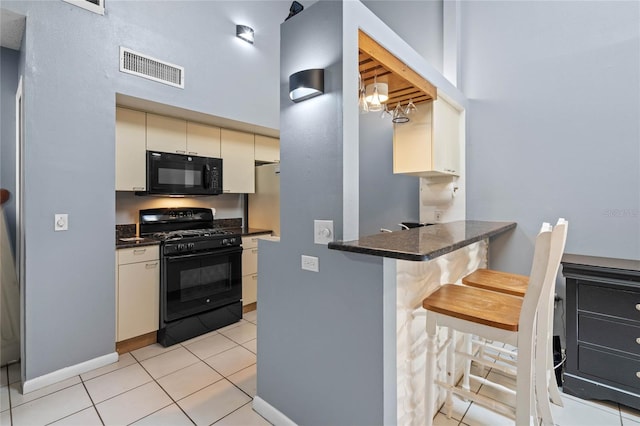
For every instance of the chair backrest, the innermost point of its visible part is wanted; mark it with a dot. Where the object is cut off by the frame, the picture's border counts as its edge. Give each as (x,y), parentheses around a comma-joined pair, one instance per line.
(537,279)
(543,274)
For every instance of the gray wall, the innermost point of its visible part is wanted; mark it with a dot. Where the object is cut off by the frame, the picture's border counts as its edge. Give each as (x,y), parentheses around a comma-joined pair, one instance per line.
(9,62)
(320,334)
(419,23)
(553,123)
(385,199)
(71,77)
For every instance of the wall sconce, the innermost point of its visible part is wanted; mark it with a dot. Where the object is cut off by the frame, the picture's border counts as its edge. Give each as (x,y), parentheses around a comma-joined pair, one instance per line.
(245,33)
(306,84)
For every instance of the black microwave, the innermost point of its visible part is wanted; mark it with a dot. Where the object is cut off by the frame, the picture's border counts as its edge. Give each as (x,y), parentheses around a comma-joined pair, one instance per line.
(177,174)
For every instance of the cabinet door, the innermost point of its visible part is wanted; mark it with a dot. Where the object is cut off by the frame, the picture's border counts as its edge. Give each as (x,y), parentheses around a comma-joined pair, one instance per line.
(446,137)
(203,140)
(267,149)
(130,150)
(249,260)
(138,299)
(249,289)
(412,143)
(238,164)
(166,134)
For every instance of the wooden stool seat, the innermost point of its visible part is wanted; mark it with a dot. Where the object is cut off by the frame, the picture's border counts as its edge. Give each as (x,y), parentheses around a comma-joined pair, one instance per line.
(480,306)
(503,282)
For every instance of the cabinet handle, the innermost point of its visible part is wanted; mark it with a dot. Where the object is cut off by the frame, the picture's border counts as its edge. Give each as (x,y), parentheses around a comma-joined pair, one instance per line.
(193,153)
(255,277)
(253,240)
(180,152)
(139,251)
(254,250)
(151,265)
(226,190)
(138,188)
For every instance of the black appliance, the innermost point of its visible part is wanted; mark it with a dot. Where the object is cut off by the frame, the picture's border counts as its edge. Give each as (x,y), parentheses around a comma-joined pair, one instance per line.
(200,272)
(178,174)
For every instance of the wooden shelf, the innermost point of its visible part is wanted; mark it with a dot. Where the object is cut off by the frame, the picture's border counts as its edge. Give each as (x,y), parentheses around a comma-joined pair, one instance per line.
(404,83)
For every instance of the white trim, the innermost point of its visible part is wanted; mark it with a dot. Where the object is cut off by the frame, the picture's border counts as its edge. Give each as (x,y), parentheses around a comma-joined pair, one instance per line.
(68,372)
(87,5)
(272,414)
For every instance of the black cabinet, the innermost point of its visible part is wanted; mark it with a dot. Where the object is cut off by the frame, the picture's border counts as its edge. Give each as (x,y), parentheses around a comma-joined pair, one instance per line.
(603,328)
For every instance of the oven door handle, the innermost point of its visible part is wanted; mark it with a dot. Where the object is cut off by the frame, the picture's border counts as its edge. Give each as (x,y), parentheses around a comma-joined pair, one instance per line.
(216,252)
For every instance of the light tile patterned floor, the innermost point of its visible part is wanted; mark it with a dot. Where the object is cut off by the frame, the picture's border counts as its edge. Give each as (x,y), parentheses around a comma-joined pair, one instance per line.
(211,380)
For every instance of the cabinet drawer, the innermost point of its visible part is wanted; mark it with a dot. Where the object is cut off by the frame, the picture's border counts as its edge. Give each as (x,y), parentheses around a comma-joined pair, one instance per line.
(609,301)
(249,261)
(250,241)
(615,368)
(249,289)
(610,334)
(137,254)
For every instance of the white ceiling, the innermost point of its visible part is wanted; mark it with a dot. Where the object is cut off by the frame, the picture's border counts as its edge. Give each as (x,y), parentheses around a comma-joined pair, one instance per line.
(11,29)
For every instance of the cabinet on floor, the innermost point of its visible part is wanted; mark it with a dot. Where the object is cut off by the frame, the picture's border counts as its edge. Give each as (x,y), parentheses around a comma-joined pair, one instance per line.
(429,144)
(238,163)
(250,269)
(137,291)
(130,150)
(603,328)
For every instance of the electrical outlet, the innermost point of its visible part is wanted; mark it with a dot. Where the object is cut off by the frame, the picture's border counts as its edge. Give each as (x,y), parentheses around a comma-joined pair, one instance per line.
(309,263)
(322,231)
(61,222)
(437,215)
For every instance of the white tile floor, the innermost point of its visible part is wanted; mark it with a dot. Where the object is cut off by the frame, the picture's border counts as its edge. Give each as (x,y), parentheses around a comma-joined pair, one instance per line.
(211,380)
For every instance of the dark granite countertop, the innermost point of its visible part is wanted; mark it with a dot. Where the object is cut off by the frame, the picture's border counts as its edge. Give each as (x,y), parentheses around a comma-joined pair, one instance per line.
(254,231)
(424,243)
(138,242)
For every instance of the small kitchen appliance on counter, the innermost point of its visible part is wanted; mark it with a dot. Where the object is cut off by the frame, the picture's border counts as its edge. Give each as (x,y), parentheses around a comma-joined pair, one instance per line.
(200,272)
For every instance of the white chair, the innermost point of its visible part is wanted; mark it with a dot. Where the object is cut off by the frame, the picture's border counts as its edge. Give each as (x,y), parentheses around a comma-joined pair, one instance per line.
(499,317)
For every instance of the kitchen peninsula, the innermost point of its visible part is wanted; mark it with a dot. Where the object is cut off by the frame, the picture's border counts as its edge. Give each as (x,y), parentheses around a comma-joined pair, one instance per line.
(416,262)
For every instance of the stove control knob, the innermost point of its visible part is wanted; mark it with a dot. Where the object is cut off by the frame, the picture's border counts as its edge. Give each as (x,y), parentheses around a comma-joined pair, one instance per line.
(232,240)
(191,246)
(225,242)
(180,247)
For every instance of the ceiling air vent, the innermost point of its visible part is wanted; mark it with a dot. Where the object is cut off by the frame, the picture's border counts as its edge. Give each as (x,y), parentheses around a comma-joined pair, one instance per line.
(145,66)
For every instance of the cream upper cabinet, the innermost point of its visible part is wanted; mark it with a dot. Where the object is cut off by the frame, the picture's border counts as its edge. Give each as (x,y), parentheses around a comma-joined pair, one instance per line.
(130,150)
(429,144)
(137,292)
(166,134)
(203,140)
(267,149)
(238,164)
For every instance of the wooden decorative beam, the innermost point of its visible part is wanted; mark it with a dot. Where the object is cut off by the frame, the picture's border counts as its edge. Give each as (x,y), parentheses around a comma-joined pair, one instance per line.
(391,63)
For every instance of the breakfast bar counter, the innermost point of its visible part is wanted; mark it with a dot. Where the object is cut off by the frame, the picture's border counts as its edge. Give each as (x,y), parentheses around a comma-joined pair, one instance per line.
(415,263)
(424,243)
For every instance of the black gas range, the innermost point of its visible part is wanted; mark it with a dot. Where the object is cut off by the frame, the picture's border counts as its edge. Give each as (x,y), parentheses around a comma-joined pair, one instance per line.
(200,272)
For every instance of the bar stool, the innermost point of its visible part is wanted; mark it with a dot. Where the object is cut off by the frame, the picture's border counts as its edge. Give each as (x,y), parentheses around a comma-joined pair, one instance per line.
(516,285)
(494,316)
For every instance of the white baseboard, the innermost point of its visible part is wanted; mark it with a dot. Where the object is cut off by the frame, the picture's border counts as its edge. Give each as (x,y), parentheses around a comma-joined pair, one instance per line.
(68,372)
(272,414)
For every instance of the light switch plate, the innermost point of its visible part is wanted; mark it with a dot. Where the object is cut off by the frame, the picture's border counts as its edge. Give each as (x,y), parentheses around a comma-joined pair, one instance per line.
(61,222)
(322,231)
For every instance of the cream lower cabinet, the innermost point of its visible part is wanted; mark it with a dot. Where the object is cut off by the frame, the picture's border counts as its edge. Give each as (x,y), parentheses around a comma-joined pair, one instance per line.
(131,155)
(249,270)
(137,291)
(238,163)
